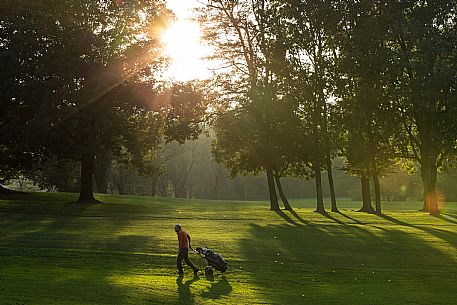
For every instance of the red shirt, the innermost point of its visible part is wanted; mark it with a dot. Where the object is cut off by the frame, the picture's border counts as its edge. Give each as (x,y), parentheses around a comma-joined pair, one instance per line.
(183,239)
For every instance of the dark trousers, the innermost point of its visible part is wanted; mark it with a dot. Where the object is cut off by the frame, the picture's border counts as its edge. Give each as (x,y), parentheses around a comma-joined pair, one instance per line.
(184,255)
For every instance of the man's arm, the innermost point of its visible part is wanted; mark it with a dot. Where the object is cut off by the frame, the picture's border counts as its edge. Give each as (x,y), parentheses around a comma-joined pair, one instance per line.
(188,237)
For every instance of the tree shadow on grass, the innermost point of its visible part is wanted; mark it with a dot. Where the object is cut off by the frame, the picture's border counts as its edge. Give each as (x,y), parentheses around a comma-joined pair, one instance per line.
(58,253)
(294,213)
(15,195)
(351,218)
(40,204)
(449,237)
(395,221)
(320,261)
(447,218)
(328,216)
(450,215)
(285,217)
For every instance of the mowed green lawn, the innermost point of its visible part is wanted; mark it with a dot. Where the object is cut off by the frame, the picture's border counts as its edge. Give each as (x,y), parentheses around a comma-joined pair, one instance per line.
(54,251)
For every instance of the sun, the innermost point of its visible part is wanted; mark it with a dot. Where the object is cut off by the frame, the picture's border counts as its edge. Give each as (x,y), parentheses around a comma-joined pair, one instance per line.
(183,46)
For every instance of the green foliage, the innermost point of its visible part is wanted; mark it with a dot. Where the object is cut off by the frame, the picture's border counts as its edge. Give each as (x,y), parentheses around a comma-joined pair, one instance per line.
(257,130)
(94,64)
(237,145)
(422,36)
(186,111)
(76,55)
(309,84)
(408,165)
(366,111)
(57,174)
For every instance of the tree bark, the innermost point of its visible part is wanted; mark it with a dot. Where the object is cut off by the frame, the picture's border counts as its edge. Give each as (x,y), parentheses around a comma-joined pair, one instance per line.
(274,205)
(119,180)
(179,189)
(102,164)
(366,195)
(86,194)
(216,185)
(21,182)
(319,197)
(377,191)
(120,187)
(429,175)
(154,179)
(331,185)
(286,203)
(163,186)
(245,185)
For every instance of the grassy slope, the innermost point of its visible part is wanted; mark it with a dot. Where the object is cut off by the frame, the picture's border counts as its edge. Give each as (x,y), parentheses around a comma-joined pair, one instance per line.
(53,251)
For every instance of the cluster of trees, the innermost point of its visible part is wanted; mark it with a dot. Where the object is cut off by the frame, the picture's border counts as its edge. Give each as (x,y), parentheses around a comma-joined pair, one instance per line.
(300,83)
(79,81)
(304,81)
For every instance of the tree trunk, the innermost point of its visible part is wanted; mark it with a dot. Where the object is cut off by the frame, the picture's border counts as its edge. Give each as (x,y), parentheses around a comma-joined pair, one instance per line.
(429,174)
(21,182)
(120,181)
(154,178)
(102,164)
(377,191)
(245,190)
(281,192)
(178,189)
(86,194)
(319,197)
(179,185)
(216,186)
(274,205)
(163,187)
(120,187)
(331,185)
(366,195)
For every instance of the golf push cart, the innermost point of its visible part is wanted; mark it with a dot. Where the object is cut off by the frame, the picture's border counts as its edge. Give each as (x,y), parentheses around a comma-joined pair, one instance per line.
(213,259)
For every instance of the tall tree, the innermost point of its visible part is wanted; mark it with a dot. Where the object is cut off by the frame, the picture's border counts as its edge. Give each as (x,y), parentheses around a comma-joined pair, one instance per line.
(367,110)
(83,57)
(243,35)
(423,35)
(311,50)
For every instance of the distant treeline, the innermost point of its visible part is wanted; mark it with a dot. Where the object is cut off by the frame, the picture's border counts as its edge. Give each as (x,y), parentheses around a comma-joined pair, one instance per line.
(191,172)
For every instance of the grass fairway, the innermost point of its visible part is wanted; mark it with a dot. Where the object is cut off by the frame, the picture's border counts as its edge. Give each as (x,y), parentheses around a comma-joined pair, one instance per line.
(53,251)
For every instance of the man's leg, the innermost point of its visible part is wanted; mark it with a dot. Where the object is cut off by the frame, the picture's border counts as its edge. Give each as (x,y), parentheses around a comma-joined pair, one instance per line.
(189,262)
(181,256)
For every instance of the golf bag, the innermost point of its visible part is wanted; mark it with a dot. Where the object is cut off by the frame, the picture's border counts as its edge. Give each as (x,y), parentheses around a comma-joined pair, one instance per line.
(214,259)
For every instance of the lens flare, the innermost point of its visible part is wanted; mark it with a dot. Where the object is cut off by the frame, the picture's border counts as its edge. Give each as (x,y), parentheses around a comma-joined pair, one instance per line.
(183,46)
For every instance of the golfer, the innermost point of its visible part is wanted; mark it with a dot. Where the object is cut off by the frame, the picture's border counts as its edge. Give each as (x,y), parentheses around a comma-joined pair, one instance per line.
(183,254)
